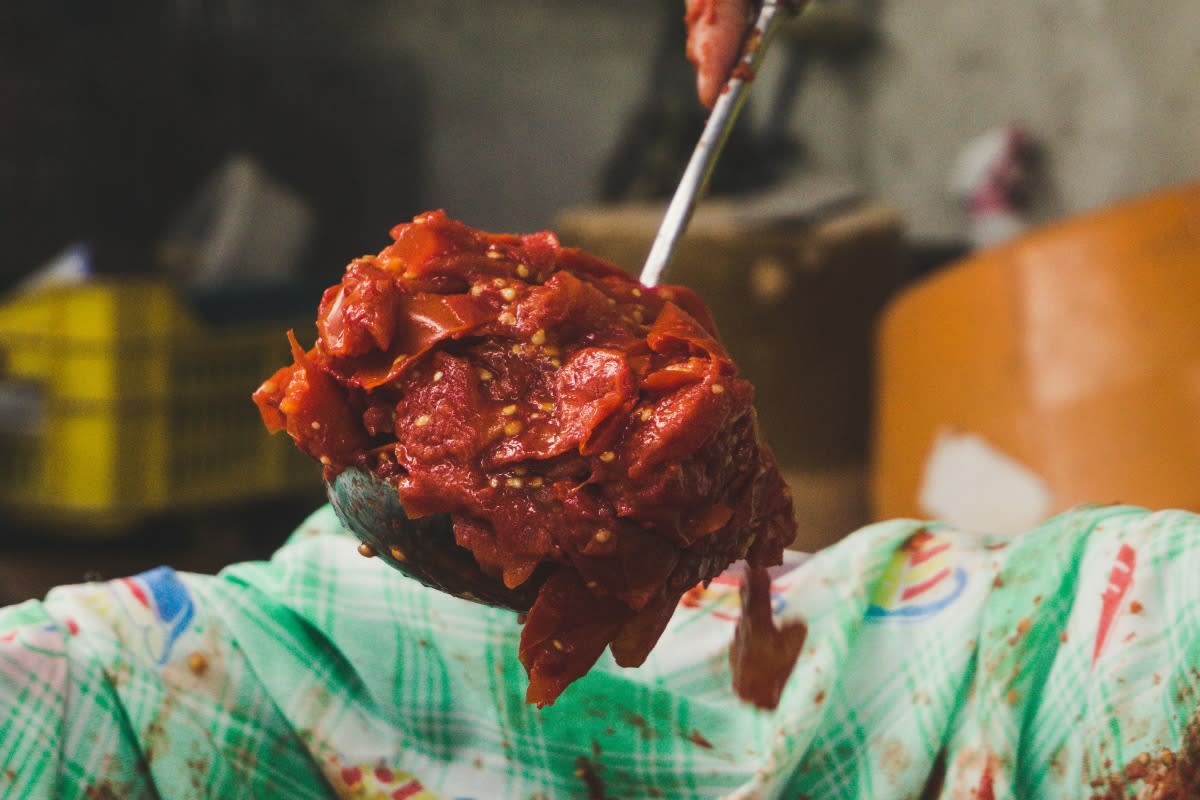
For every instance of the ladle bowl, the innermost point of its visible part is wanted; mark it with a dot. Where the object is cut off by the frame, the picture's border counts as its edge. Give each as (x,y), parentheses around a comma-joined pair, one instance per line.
(423,549)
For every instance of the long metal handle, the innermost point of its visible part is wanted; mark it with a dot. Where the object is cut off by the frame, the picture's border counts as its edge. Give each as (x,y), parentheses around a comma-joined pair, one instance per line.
(716,130)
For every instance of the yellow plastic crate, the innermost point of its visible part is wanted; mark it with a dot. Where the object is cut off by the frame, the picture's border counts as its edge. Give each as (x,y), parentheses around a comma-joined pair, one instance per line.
(122,405)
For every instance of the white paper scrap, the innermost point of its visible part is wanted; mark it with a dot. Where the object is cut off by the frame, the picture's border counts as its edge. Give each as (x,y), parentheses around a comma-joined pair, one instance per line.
(972,485)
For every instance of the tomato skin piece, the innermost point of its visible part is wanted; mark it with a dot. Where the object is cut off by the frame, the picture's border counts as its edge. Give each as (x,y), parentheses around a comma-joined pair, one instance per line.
(763,655)
(715,32)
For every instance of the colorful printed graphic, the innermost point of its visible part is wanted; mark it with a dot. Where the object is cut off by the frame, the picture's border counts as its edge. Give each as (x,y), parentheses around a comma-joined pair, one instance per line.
(159,605)
(1119,581)
(28,626)
(382,782)
(722,597)
(923,578)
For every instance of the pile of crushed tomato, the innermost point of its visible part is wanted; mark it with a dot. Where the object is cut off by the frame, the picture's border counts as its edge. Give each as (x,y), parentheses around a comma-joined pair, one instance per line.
(581,430)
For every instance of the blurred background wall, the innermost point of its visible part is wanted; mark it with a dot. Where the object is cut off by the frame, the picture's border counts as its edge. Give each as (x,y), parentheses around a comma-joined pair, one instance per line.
(1107,88)
(506,113)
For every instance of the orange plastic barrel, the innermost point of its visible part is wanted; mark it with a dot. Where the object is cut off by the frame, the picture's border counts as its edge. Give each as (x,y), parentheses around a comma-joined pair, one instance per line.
(1071,355)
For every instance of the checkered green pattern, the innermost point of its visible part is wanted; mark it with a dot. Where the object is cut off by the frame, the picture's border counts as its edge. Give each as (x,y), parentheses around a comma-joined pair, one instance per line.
(1036,667)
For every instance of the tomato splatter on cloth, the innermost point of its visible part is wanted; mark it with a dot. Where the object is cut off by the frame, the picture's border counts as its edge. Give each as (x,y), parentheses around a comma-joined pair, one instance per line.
(583,432)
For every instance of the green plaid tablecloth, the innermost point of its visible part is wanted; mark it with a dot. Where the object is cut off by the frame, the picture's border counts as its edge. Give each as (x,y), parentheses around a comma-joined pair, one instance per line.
(1063,663)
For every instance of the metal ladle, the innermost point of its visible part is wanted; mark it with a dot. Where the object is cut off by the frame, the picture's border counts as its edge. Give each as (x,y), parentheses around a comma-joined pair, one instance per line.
(424,549)
(716,131)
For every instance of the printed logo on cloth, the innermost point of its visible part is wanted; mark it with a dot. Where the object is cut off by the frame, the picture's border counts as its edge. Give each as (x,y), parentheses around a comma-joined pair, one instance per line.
(722,597)
(923,578)
(158,605)
(1119,581)
(378,781)
(27,626)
